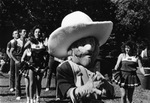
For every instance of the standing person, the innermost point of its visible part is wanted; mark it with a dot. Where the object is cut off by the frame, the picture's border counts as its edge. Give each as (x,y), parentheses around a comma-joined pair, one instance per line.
(49,72)
(145,53)
(44,38)
(52,65)
(25,59)
(38,62)
(78,39)
(16,52)
(15,36)
(3,61)
(126,67)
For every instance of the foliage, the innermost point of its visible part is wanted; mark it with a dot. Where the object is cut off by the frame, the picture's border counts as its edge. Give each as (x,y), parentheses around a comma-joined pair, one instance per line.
(48,13)
(132,19)
(132,16)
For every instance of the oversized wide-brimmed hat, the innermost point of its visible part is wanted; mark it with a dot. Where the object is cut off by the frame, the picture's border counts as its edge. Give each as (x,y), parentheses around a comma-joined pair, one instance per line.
(75,26)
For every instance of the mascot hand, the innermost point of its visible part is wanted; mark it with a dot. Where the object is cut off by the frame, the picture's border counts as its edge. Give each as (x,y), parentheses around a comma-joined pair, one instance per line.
(91,87)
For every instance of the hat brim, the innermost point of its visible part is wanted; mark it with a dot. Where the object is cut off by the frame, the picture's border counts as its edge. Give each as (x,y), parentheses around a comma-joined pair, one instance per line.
(60,40)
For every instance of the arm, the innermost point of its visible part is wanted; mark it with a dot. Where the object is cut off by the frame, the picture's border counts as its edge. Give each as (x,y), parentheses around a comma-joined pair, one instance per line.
(57,59)
(65,79)
(24,55)
(140,66)
(7,50)
(65,83)
(144,53)
(118,62)
(90,89)
(27,44)
(14,44)
(12,56)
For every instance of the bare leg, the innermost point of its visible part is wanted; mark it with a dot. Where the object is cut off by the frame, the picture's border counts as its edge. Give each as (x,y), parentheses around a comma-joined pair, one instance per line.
(32,85)
(27,89)
(38,86)
(123,95)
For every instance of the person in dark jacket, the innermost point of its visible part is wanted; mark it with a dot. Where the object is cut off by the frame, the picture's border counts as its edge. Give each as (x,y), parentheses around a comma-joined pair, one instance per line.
(78,39)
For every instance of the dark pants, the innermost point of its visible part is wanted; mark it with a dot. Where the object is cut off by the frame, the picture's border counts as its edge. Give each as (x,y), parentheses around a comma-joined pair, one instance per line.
(18,78)
(52,65)
(12,74)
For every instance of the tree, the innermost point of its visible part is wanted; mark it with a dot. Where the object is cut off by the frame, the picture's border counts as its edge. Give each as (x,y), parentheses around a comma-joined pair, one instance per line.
(48,13)
(131,21)
(132,16)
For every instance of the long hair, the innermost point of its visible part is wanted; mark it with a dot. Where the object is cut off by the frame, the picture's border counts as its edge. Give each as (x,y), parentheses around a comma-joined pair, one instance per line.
(31,34)
(133,48)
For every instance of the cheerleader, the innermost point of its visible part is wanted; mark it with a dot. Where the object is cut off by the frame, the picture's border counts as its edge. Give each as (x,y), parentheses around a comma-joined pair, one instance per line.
(37,63)
(25,71)
(126,67)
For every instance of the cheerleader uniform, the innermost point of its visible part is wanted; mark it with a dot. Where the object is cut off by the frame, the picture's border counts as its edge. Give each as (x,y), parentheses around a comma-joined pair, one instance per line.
(126,76)
(38,59)
(24,65)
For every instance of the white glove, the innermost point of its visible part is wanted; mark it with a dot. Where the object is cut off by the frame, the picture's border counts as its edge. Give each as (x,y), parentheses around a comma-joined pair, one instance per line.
(90,88)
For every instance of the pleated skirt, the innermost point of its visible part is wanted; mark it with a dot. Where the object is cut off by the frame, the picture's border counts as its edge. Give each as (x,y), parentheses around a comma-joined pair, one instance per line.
(126,78)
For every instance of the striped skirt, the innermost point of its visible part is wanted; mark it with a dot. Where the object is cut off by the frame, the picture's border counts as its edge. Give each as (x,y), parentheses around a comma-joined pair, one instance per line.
(126,79)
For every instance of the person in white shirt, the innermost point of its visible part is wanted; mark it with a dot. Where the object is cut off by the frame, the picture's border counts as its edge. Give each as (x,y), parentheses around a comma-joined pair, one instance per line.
(15,36)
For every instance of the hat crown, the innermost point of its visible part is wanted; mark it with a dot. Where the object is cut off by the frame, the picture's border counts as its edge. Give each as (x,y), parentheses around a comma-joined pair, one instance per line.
(74,18)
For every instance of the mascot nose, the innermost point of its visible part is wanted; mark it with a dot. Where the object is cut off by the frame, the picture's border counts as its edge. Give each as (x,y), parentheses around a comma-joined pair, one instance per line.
(85,49)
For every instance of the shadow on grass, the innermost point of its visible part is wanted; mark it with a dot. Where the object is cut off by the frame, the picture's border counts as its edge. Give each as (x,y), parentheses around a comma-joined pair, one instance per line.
(8,94)
(11,94)
(50,96)
(116,97)
(3,86)
(59,101)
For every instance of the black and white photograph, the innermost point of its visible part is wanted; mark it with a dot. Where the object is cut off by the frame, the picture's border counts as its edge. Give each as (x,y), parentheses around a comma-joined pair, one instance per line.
(74,51)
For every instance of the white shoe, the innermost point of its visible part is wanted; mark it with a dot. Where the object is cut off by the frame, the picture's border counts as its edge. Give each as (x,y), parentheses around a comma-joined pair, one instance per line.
(28,100)
(38,99)
(47,89)
(57,99)
(32,101)
(11,89)
(9,72)
(18,98)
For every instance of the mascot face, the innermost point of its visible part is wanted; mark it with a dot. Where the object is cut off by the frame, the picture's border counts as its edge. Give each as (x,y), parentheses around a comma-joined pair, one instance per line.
(85,50)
